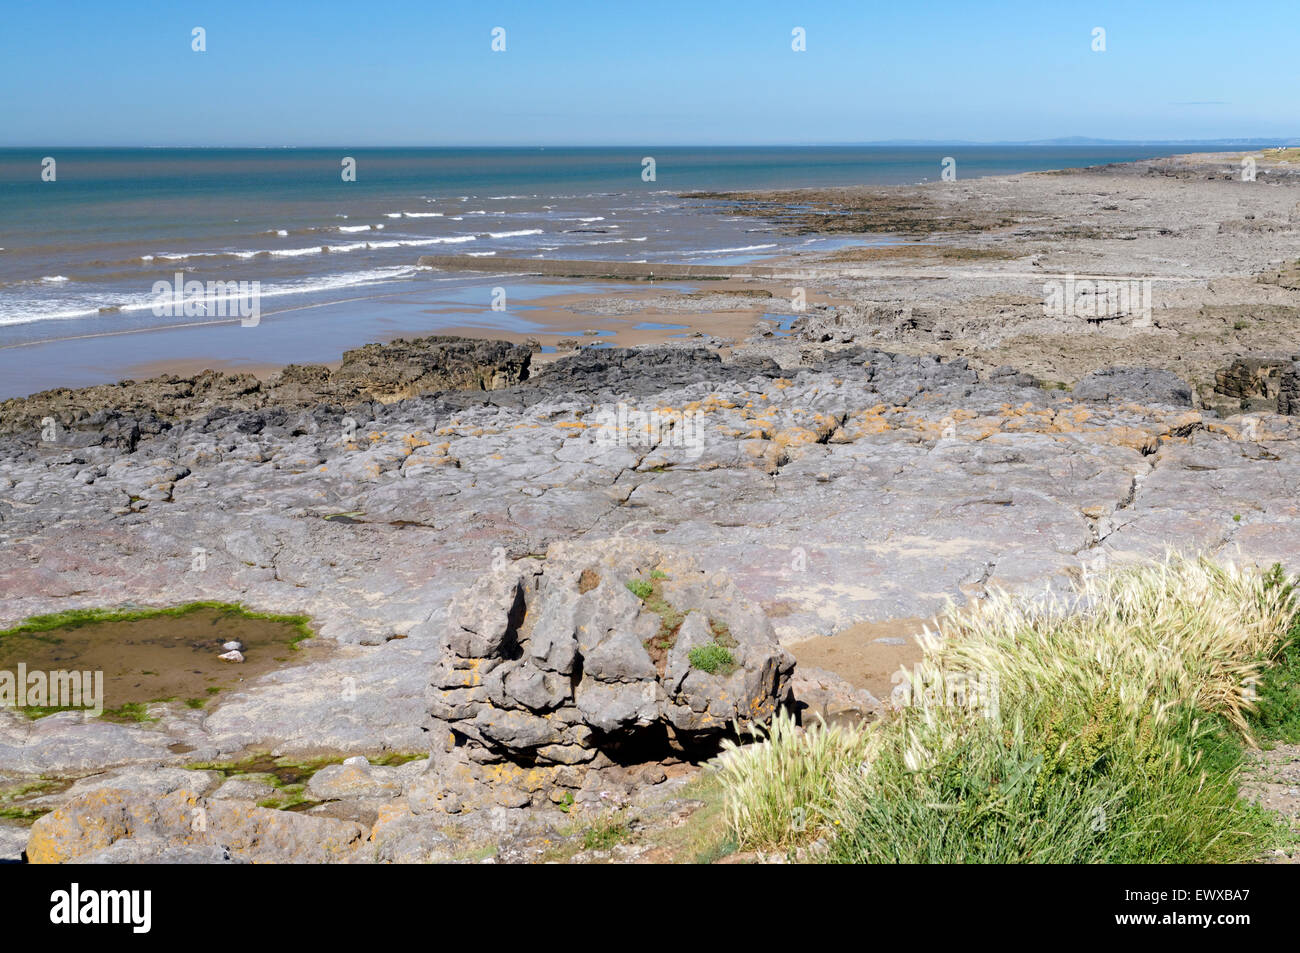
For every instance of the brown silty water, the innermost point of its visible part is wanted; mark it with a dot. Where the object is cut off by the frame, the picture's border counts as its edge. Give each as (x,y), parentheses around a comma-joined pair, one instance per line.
(161,658)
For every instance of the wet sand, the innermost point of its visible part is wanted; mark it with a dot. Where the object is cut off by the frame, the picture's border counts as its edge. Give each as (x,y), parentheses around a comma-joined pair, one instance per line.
(545,312)
(868,655)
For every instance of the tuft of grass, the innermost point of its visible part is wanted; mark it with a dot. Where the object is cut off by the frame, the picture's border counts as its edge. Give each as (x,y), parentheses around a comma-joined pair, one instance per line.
(640,588)
(605,832)
(1060,784)
(1275,716)
(712,658)
(780,791)
(1108,727)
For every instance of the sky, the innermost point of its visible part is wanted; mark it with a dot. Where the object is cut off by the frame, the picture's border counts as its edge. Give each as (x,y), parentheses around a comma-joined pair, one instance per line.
(708,72)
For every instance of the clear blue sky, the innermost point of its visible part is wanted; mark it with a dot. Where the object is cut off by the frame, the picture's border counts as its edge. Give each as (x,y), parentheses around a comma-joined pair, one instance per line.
(119,72)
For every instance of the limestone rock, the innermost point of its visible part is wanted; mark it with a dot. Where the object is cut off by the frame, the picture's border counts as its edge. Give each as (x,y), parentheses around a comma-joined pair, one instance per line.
(1138,385)
(107,818)
(1252,381)
(355,778)
(1288,396)
(560,665)
(817,693)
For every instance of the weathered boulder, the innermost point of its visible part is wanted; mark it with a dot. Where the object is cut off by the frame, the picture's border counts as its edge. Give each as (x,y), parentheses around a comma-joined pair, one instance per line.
(615,645)
(356,778)
(1252,381)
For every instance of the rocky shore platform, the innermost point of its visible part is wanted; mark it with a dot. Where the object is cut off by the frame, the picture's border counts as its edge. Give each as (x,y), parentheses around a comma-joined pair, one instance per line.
(867,486)
(542,593)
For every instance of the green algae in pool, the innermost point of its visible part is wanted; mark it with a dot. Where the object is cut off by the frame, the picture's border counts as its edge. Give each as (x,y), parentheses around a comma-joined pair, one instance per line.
(152,655)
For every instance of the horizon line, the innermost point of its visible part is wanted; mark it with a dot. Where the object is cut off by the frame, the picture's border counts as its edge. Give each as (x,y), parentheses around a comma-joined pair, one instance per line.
(1053,141)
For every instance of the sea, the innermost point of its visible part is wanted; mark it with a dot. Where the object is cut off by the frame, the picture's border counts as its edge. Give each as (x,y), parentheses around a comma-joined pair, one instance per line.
(333,236)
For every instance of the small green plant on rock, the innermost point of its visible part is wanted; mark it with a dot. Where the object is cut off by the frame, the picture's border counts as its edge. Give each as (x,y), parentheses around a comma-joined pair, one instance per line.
(713,658)
(605,832)
(650,592)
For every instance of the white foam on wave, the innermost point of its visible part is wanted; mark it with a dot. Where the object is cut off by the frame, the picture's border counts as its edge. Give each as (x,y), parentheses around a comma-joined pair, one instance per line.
(480,254)
(292,252)
(314,249)
(719,251)
(358,228)
(515,234)
(421,242)
(102,304)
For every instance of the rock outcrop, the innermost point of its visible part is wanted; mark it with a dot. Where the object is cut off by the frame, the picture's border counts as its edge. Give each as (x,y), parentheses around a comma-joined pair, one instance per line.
(1253,382)
(613,652)
(377,372)
(868,486)
(1288,391)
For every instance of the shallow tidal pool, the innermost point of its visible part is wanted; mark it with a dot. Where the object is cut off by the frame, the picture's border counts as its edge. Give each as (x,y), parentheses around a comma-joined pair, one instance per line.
(146,656)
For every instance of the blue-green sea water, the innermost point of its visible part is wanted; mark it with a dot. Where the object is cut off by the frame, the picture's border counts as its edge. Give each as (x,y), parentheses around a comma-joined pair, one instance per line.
(80,255)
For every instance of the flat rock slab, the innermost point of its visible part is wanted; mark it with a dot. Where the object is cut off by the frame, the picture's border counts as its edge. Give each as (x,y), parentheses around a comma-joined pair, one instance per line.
(871,487)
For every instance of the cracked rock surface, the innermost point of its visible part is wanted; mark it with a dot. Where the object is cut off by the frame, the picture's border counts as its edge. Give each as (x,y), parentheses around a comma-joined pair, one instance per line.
(866,487)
